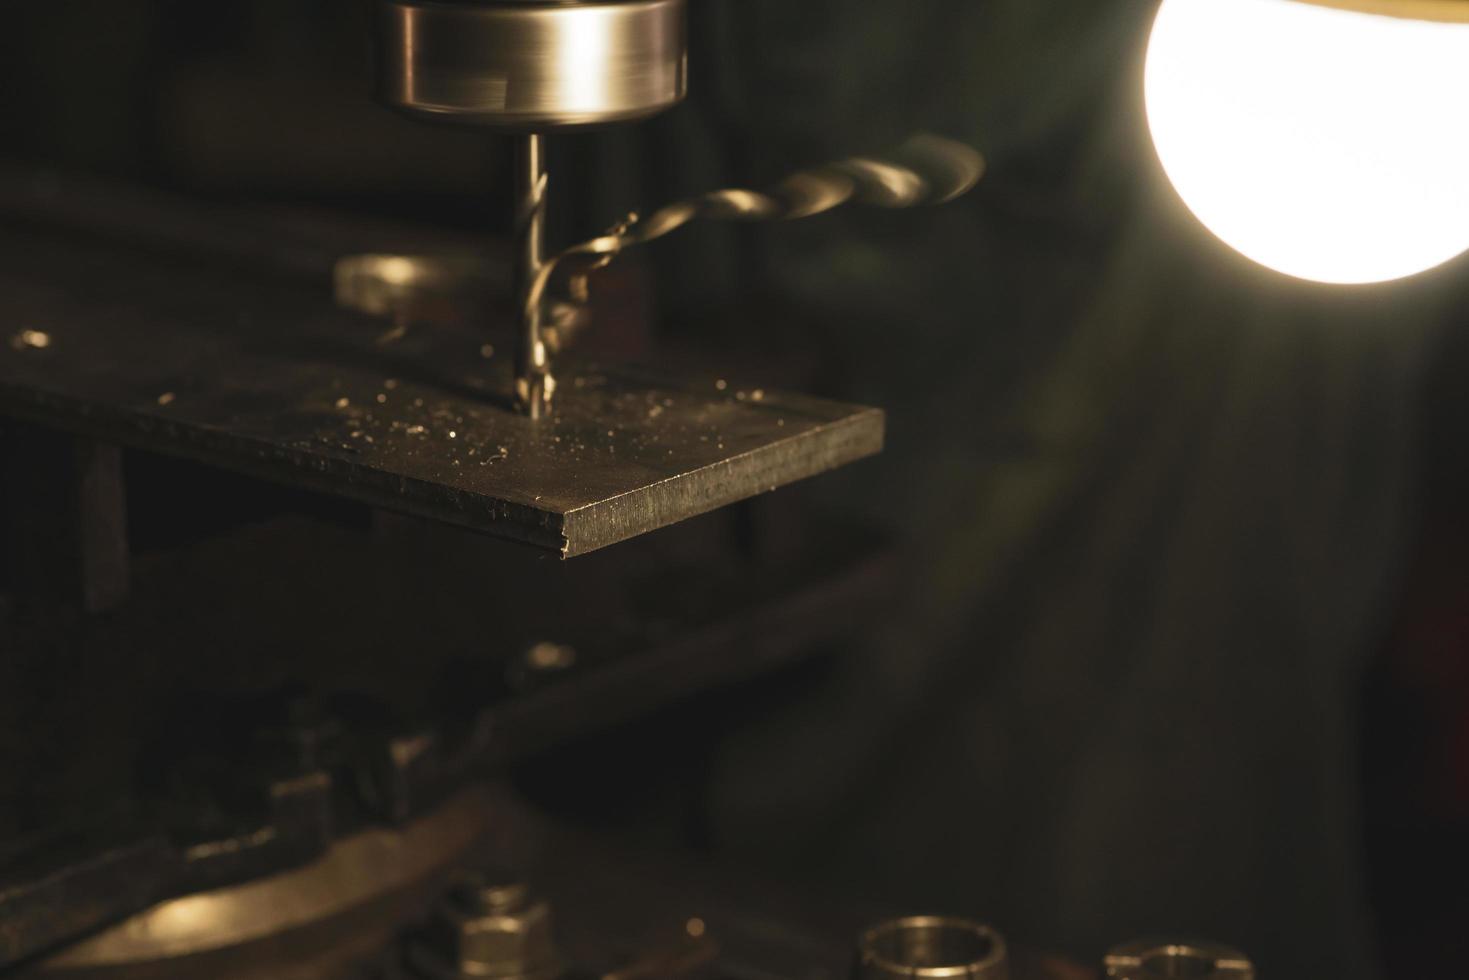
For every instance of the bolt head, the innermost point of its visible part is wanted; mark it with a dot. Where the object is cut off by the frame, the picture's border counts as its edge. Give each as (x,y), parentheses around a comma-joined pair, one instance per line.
(516,942)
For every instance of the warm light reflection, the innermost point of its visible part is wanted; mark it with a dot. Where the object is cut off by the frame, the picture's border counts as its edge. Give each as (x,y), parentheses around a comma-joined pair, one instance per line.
(186,918)
(397,271)
(584,58)
(1326,144)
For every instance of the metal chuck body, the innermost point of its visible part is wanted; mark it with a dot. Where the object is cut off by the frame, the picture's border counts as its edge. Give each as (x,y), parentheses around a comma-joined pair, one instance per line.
(532,65)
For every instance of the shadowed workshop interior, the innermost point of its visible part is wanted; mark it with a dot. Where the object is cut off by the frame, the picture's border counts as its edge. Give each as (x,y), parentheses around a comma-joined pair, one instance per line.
(1149,618)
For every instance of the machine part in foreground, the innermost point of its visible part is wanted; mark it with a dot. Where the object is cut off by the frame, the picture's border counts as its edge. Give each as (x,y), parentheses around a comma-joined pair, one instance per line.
(1153,959)
(931,947)
(487,927)
(355,872)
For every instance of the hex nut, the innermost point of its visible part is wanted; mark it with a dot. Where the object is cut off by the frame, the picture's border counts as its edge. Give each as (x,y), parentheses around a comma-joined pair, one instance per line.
(490,939)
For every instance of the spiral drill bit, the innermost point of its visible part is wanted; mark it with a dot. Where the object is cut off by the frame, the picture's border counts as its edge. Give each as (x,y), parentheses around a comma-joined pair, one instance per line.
(534,383)
(927,169)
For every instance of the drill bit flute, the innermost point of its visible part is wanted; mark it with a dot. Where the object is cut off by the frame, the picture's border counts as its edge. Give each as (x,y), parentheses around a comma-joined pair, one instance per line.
(534,383)
(925,170)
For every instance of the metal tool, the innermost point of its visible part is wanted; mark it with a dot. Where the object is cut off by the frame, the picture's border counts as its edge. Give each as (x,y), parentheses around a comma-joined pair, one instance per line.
(1154,959)
(487,927)
(925,170)
(533,66)
(355,872)
(528,66)
(931,947)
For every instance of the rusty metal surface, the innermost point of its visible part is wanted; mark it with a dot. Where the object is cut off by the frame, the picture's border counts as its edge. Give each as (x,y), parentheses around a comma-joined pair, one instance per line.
(265,377)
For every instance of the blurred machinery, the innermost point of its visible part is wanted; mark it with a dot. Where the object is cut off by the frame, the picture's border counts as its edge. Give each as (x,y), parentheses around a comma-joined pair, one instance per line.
(267,686)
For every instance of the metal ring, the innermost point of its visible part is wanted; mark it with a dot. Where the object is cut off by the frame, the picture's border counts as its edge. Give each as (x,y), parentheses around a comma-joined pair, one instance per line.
(532,65)
(931,947)
(1153,959)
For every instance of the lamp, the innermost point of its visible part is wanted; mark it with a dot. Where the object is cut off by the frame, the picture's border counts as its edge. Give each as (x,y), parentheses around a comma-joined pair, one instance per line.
(1326,139)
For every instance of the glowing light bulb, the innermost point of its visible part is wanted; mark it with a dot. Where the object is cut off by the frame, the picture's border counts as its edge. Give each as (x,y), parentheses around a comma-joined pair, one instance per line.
(1324,143)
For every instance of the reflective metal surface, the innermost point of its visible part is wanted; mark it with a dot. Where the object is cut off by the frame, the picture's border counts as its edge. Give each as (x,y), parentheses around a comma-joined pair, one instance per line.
(534,382)
(270,379)
(930,947)
(534,64)
(355,871)
(484,928)
(1152,959)
(414,289)
(927,169)
(620,914)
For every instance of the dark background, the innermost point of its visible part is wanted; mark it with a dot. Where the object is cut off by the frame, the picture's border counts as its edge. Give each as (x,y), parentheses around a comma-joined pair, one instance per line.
(1184,611)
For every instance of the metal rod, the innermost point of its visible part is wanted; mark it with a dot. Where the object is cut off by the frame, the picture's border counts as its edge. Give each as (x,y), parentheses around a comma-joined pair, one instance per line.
(534,384)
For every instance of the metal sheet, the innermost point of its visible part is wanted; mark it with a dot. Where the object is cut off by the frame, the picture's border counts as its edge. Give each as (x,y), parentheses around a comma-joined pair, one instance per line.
(265,377)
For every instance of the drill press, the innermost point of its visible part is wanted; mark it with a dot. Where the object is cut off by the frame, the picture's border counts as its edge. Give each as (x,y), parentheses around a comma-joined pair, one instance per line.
(528,67)
(623,451)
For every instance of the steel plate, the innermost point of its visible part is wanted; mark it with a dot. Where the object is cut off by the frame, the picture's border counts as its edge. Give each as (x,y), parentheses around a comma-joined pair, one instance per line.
(183,356)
